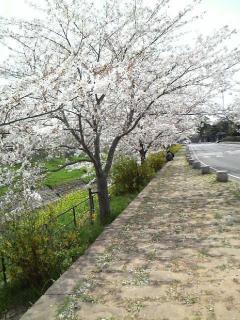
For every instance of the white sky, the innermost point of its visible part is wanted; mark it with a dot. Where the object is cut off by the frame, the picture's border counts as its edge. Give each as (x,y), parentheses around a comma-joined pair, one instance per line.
(218,13)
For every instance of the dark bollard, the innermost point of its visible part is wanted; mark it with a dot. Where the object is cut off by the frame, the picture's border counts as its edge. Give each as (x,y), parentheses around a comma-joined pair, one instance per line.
(222,176)
(205,169)
(196,165)
(190,161)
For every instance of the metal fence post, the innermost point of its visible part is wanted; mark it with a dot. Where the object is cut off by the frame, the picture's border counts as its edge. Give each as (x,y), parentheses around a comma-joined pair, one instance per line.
(4,270)
(74,217)
(91,204)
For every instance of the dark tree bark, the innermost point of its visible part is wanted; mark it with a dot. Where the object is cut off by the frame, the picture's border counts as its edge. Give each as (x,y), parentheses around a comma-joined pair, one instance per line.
(103,198)
(142,152)
(142,155)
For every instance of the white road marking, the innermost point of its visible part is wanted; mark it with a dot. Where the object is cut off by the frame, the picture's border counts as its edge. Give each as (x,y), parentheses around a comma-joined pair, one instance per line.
(231,175)
(236,177)
(233,151)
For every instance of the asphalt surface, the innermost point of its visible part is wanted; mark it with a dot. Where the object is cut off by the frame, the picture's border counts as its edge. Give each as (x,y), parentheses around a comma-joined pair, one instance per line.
(219,156)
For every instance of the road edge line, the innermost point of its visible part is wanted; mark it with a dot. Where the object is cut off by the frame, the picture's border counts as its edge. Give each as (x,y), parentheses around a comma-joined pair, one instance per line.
(212,168)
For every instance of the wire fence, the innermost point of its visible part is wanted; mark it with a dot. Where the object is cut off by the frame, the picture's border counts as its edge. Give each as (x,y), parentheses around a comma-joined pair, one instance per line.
(73,218)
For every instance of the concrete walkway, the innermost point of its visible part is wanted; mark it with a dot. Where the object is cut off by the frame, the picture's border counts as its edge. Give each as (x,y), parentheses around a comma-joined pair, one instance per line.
(174,254)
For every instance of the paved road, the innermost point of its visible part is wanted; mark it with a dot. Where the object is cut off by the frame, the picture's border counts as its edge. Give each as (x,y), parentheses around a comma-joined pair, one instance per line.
(219,156)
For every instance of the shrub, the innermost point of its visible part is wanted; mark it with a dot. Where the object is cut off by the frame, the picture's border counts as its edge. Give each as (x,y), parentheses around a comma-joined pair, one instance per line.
(232,138)
(156,160)
(145,174)
(175,148)
(68,244)
(40,245)
(29,250)
(36,253)
(124,175)
(128,176)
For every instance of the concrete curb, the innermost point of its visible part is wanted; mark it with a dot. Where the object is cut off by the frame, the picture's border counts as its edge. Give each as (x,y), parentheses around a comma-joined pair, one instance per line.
(194,158)
(229,142)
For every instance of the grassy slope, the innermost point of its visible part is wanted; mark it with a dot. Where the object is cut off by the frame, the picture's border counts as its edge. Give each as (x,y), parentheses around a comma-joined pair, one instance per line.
(55,179)
(61,177)
(17,295)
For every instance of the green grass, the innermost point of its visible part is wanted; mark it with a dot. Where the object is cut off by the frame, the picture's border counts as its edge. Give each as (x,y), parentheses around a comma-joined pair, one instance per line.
(3,190)
(236,193)
(68,201)
(55,179)
(175,148)
(18,294)
(52,164)
(63,176)
(119,203)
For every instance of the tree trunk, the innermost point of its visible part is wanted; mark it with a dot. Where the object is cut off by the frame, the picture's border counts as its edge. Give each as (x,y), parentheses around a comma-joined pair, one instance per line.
(103,198)
(142,155)
(142,152)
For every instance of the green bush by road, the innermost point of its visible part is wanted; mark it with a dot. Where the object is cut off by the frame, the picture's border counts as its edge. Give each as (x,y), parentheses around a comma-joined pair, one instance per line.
(129,176)
(231,139)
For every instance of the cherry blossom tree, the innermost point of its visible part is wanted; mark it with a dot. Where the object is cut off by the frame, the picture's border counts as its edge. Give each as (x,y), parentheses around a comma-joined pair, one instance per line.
(174,120)
(154,134)
(85,76)
(230,110)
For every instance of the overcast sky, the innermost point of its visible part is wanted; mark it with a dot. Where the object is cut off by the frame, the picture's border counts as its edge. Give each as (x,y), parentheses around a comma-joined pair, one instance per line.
(218,13)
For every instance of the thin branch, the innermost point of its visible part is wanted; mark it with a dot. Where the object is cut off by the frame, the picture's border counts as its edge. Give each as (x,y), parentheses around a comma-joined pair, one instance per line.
(30,117)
